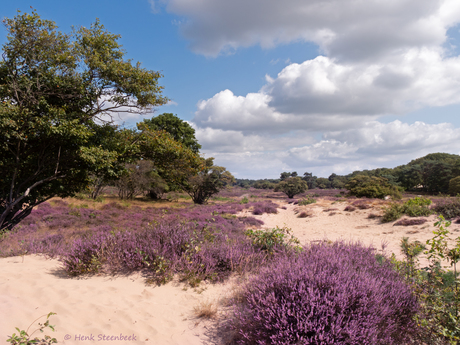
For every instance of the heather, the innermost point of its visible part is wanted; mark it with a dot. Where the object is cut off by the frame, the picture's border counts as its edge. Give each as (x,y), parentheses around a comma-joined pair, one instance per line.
(448,207)
(205,242)
(330,293)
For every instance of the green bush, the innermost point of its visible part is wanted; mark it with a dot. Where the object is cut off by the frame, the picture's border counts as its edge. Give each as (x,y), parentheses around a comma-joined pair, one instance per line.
(454,186)
(372,187)
(270,239)
(416,207)
(392,213)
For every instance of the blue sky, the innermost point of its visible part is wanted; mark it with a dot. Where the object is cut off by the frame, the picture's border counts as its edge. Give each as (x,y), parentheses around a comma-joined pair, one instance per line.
(271,86)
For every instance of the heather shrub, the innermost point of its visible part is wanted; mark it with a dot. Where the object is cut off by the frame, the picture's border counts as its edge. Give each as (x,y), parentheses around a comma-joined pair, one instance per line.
(303,215)
(251,221)
(350,208)
(263,207)
(361,204)
(408,222)
(447,207)
(327,294)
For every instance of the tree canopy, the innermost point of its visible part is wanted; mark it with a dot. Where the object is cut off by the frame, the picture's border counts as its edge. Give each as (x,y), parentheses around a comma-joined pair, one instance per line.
(180,130)
(56,90)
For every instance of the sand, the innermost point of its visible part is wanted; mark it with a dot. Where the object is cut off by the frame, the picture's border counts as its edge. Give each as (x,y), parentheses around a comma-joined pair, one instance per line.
(87,309)
(92,309)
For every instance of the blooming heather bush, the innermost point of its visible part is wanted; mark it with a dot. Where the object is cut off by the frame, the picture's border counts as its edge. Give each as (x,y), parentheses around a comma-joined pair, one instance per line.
(362,204)
(448,207)
(263,207)
(328,294)
(251,221)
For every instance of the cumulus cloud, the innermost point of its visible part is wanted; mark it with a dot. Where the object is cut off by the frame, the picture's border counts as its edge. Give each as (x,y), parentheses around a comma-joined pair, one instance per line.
(350,29)
(316,94)
(378,58)
(374,145)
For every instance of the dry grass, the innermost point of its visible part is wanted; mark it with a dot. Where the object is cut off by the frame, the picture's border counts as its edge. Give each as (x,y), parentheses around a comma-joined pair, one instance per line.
(205,310)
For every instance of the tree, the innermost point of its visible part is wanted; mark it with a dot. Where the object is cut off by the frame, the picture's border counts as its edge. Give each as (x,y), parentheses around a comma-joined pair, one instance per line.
(209,181)
(180,130)
(53,89)
(454,186)
(292,186)
(285,175)
(310,179)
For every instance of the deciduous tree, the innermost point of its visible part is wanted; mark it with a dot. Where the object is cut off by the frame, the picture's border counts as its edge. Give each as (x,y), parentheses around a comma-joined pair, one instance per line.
(53,89)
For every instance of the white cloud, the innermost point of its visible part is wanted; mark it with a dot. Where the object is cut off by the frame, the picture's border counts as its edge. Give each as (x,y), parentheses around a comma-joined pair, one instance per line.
(379,58)
(351,29)
(374,145)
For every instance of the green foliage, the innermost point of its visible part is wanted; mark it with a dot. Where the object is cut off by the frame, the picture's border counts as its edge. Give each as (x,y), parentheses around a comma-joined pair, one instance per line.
(270,239)
(180,130)
(436,287)
(53,89)
(418,201)
(23,338)
(416,207)
(454,186)
(245,200)
(209,181)
(372,187)
(307,201)
(292,186)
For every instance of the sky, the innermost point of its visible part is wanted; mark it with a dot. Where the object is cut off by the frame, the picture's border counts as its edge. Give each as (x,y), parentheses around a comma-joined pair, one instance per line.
(321,86)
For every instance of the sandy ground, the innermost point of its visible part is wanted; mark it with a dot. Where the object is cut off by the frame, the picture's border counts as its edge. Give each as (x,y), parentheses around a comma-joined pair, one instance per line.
(92,309)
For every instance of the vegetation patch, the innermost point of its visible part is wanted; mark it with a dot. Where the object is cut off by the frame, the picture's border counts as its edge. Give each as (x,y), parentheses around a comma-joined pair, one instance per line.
(316,297)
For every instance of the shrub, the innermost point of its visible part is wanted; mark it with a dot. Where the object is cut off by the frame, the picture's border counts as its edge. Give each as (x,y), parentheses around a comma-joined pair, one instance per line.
(372,187)
(448,207)
(328,294)
(272,239)
(361,204)
(303,215)
(416,207)
(349,208)
(292,186)
(408,222)
(309,200)
(418,201)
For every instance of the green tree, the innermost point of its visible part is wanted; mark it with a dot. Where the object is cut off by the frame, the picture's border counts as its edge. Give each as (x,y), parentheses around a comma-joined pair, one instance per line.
(180,130)
(209,181)
(53,89)
(292,186)
(454,186)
